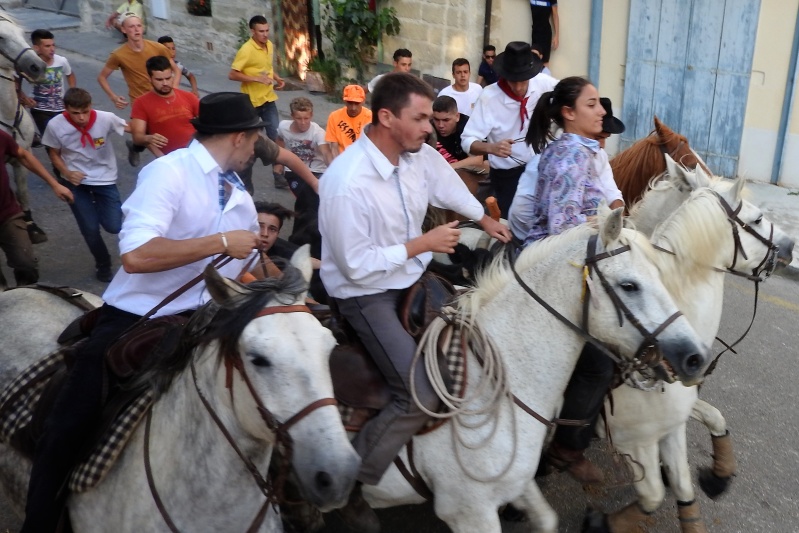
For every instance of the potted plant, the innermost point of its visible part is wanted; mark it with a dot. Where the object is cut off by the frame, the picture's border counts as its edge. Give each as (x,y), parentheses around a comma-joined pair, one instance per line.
(355,29)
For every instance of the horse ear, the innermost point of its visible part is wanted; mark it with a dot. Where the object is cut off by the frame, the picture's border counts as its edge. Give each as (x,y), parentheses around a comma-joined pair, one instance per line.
(702,178)
(738,187)
(301,259)
(221,289)
(611,228)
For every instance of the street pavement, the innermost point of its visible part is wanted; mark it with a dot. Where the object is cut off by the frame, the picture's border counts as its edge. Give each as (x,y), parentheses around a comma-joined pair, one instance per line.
(753,387)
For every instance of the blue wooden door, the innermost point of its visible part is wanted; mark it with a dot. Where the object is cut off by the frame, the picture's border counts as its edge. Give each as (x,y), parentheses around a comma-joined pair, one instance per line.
(689,62)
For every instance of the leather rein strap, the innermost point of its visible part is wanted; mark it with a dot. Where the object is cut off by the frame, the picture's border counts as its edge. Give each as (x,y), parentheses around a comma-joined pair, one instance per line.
(272,491)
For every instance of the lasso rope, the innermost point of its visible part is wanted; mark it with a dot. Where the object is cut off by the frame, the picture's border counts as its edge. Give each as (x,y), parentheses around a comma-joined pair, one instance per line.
(493,386)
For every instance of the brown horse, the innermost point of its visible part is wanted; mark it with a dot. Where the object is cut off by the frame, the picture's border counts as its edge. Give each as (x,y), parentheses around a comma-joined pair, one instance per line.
(634,168)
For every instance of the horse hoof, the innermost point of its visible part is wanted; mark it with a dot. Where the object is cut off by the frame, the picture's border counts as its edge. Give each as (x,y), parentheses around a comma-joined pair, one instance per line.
(595,522)
(712,485)
(512,514)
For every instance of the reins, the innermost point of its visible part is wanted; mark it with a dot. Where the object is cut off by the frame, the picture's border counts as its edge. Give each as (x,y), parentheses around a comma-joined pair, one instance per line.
(759,274)
(641,362)
(272,490)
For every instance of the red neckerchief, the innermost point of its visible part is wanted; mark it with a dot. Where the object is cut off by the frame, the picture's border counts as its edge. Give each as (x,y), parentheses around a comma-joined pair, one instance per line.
(503,84)
(84,132)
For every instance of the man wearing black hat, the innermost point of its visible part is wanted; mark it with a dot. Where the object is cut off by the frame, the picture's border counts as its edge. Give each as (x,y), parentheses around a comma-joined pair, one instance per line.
(610,125)
(188,207)
(499,123)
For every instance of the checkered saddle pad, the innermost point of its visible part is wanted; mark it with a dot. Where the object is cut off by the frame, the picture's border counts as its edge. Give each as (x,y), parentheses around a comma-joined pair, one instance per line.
(451,356)
(18,403)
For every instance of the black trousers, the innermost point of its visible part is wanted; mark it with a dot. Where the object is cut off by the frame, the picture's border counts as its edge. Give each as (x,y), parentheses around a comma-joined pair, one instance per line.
(504,182)
(76,412)
(583,398)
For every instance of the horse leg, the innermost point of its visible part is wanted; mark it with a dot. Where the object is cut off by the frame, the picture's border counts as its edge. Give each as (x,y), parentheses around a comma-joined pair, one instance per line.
(467,519)
(539,512)
(674,454)
(715,481)
(635,517)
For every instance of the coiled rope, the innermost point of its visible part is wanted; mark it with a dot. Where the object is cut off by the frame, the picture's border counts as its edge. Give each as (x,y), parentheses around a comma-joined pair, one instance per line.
(492,387)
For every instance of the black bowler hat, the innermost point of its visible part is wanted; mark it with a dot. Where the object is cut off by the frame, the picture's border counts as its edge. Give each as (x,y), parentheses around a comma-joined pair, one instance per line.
(610,124)
(517,62)
(226,113)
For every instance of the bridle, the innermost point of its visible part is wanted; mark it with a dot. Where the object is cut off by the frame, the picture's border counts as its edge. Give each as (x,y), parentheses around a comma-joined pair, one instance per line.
(646,367)
(769,263)
(271,489)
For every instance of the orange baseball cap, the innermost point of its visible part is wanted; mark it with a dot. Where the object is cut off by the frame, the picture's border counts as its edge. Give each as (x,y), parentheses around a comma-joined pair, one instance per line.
(354,93)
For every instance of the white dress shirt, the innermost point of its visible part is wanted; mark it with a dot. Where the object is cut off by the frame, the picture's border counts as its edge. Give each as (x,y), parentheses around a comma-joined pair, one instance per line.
(369,209)
(176,197)
(496,117)
(466,100)
(605,180)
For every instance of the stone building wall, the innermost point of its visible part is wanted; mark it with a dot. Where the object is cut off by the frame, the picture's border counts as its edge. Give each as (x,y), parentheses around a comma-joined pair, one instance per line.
(437,32)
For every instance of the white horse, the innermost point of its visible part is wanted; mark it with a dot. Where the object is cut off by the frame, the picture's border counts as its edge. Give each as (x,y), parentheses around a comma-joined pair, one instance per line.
(537,354)
(201,480)
(17,56)
(651,426)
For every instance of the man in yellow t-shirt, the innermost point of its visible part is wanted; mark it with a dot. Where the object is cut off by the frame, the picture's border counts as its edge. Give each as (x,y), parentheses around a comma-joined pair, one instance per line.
(344,125)
(253,66)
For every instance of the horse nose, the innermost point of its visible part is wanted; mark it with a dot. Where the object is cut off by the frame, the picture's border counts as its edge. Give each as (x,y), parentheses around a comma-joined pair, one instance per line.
(323,481)
(693,364)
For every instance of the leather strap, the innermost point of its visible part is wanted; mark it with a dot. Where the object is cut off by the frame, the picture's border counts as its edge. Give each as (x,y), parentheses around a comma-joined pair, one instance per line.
(412,477)
(68,294)
(150,481)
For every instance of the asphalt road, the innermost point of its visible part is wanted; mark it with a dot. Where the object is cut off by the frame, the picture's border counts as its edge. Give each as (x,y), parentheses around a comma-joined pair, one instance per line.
(755,388)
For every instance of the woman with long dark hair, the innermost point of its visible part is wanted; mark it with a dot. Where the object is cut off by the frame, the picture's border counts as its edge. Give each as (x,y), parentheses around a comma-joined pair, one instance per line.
(565,191)
(565,194)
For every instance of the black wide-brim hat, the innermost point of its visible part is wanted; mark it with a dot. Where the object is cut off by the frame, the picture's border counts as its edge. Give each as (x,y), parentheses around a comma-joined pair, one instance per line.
(610,124)
(227,112)
(517,62)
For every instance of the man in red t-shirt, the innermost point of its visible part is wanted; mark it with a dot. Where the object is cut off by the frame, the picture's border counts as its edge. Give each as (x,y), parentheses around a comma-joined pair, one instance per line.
(160,118)
(14,239)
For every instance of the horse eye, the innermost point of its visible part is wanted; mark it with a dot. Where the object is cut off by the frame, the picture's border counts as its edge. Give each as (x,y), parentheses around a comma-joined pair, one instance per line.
(261,361)
(759,220)
(629,286)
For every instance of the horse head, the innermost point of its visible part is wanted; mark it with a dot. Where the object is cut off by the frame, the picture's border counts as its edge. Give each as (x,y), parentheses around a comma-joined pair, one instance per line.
(634,308)
(15,52)
(736,234)
(283,385)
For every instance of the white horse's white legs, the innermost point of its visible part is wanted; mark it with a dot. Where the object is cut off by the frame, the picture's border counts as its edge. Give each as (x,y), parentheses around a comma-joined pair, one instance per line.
(650,489)
(541,515)
(674,454)
(710,417)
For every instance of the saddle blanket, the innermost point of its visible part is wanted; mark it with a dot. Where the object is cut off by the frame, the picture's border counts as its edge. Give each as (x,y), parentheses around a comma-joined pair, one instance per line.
(18,403)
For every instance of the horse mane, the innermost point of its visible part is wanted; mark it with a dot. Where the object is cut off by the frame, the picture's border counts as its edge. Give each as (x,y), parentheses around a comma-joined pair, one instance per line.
(695,249)
(498,274)
(219,322)
(634,168)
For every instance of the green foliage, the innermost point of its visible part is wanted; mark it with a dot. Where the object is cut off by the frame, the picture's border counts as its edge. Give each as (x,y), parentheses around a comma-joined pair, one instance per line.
(355,30)
(329,69)
(243,32)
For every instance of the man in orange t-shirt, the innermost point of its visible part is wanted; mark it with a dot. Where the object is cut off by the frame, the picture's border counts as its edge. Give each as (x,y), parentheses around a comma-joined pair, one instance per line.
(160,118)
(344,125)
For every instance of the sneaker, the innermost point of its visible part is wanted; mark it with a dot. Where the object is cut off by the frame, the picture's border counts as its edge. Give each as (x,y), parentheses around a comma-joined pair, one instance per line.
(133,155)
(35,233)
(575,464)
(280,181)
(104,274)
(357,515)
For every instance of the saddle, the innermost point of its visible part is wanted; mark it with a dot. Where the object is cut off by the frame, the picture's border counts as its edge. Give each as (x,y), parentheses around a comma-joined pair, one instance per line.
(358,384)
